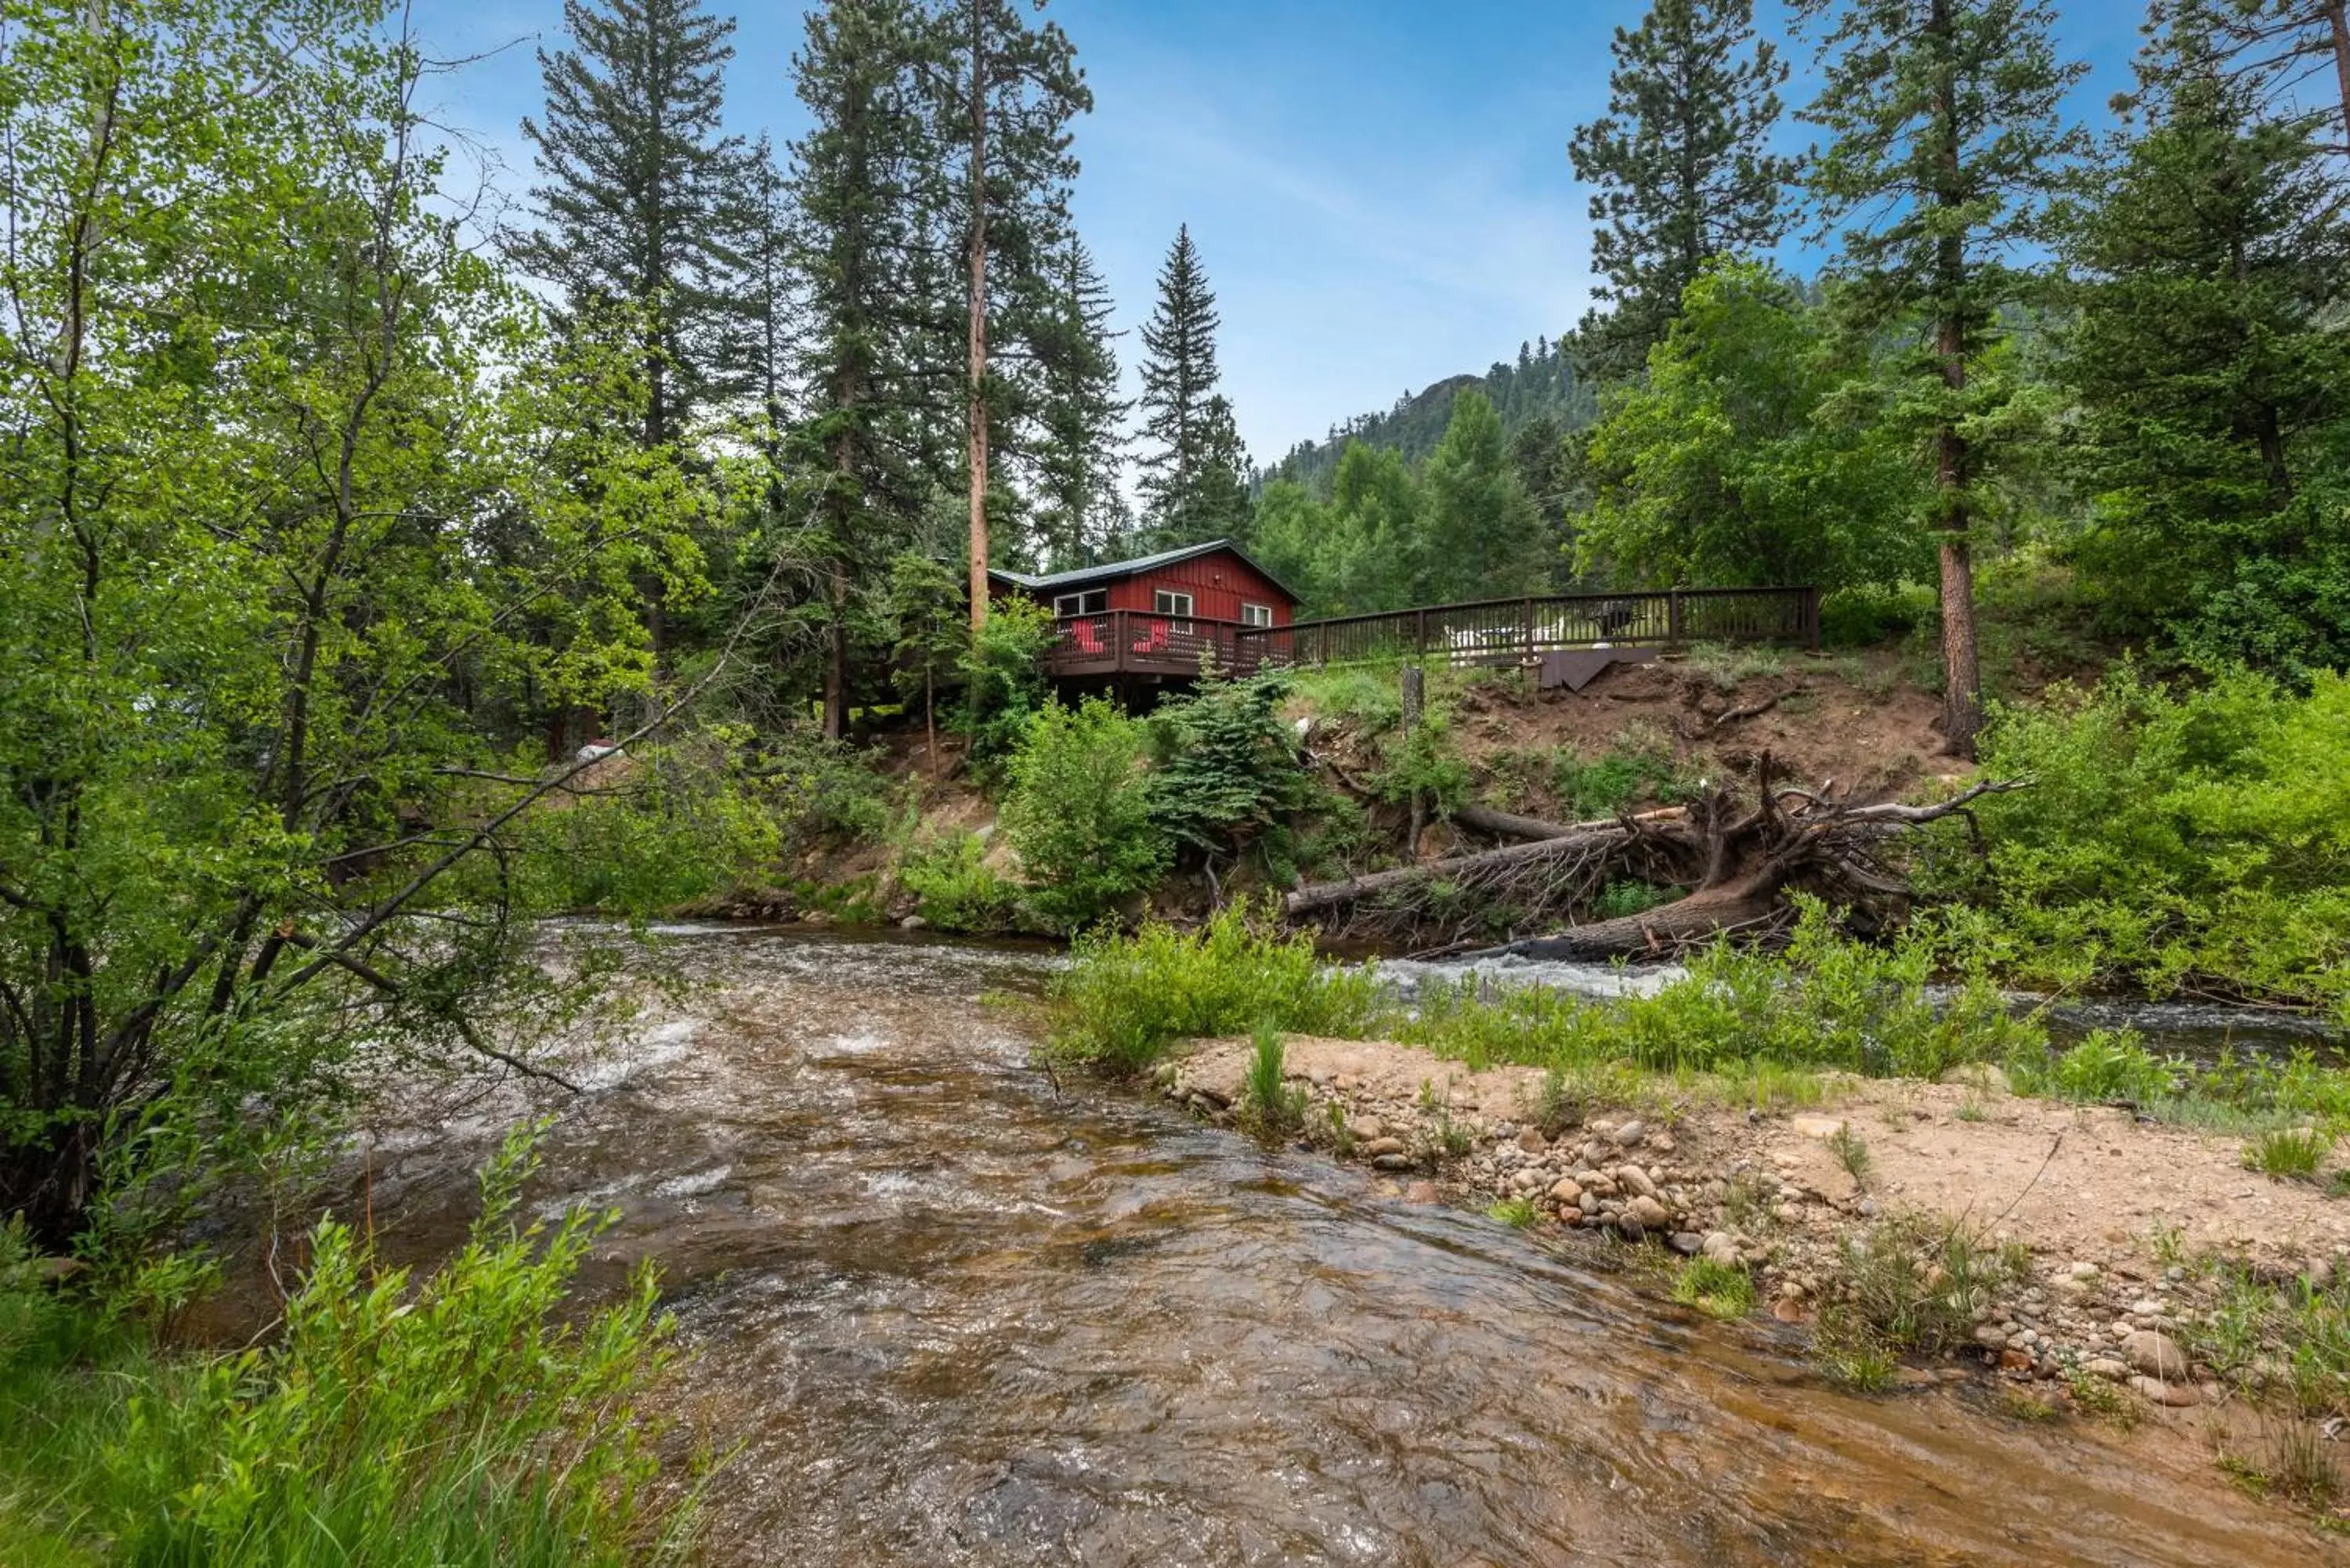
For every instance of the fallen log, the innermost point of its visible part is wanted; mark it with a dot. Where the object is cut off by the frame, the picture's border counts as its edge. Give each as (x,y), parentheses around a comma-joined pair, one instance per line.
(1509,825)
(1319,896)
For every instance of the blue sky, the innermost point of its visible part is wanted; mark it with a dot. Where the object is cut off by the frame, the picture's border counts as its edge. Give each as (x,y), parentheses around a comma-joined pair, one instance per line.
(1379,189)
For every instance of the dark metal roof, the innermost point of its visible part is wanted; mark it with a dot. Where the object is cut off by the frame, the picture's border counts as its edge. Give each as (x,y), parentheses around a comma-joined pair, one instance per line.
(1111,571)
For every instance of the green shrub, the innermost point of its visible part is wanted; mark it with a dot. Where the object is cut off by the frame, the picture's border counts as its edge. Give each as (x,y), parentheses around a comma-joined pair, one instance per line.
(1226,771)
(1517,1213)
(1269,1106)
(1618,899)
(955,889)
(1913,1282)
(1079,812)
(1601,786)
(1123,1000)
(452,1421)
(1003,680)
(2107,1064)
(666,827)
(2171,837)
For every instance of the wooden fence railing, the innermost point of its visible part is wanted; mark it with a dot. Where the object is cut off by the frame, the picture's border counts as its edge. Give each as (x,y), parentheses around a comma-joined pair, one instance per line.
(1497,631)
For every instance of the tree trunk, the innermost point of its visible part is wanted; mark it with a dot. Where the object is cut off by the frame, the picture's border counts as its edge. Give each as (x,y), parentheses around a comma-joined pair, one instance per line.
(978,400)
(1657,932)
(1961,677)
(2337,17)
(836,659)
(1411,700)
(1318,896)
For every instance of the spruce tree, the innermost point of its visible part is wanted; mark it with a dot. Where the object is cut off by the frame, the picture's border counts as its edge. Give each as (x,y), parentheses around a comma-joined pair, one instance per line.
(636,185)
(869,357)
(1193,484)
(1081,446)
(2208,361)
(1682,172)
(1946,145)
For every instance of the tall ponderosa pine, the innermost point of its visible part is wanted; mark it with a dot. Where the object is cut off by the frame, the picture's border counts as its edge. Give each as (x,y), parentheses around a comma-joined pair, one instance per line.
(637,186)
(1947,144)
(2208,361)
(2286,49)
(871,364)
(1193,484)
(1682,167)
(1012,92)
(1081,445)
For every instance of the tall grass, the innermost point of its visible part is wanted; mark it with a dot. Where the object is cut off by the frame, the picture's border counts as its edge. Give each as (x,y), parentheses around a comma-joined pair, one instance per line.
(451,1421)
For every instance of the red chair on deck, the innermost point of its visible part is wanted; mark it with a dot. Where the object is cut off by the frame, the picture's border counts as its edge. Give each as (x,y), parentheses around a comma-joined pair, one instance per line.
(1156,642)
(1087,637)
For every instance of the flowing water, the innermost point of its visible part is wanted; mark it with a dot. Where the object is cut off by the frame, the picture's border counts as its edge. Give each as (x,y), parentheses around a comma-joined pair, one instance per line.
(954,1314)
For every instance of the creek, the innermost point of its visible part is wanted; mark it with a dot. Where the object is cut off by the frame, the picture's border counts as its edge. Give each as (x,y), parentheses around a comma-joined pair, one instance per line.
(945,1311)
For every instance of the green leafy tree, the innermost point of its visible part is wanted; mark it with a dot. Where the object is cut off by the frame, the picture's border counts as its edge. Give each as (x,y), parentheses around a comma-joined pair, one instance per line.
(1079,812)
(1480,535)
(1946,142)
(291,475)
(1193,474)
(1733,462)
(640,190)
(2208,361)
(1682,167)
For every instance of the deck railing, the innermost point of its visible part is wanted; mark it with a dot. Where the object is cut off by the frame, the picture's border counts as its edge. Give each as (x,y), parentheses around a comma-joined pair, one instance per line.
(1492,631)
(1500,630)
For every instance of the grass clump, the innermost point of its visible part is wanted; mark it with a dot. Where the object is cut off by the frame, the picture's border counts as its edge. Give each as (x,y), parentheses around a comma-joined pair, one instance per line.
(444,1422)
(1851,1151)
(1717,1289)
(1269,1104)
(1911,1286)
(2095,1397)
(2288,1153)
(1126,998)
(1518,1213)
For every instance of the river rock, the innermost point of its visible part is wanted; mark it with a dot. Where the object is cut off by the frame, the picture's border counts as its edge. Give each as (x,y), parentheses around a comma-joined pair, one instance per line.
(1991,1336)
(1634,1180)
(1391,1162)
(1374,1148)
(2161,1391)
(1532,1140)
(1368,1128)
(1650,1214)
(1687,1243)
(1662,1142)
(1718,1246)
(2106,1367)
(1629,1134)
(1566,1190)
(2155,1354)
(1815,1126)
(1422,1192)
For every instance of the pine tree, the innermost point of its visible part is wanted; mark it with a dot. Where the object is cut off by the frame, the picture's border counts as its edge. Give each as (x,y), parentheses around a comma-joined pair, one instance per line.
(1012,92)
(757,352)
(1080,414)
(1681,165)
(2207,361)
(2276,46)
(876,375)
(1947,145)
(634,206)
(1192,486)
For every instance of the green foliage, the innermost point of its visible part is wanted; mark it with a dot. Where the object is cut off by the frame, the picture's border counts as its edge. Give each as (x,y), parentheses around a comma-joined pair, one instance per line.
(308,518)
(458,1419)
(1480,536)
(1193,473)
(1123,1000)
(2106,1065)
(2289,1342)
(1718,1290)
(665,826)
(1912,1284)
(1619,899)
(956,889)
(2172,836)
(2288,1152)
(1269,1104)
(1226,771)
(1005,683)
(2206,355)
(1079,812)
(1591,787)
(1851,1151)
(1730,464)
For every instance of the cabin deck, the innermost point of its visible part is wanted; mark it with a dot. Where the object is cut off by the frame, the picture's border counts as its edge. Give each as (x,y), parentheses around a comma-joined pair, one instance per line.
(1490,632)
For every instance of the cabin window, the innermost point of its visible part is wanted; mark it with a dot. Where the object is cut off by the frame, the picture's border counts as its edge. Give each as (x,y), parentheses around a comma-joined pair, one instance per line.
(1164,603)
(1256,615)
(1093,601)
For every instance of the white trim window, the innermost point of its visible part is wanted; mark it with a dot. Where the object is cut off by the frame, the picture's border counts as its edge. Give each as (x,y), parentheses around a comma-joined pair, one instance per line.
(1163,602)
(1091,601)
(1256,615)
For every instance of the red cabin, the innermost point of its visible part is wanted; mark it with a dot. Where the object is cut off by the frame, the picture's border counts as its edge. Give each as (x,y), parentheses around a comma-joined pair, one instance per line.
(1154,617)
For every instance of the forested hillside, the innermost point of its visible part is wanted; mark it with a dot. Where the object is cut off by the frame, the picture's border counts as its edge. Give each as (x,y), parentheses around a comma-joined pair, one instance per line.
(1540,387)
